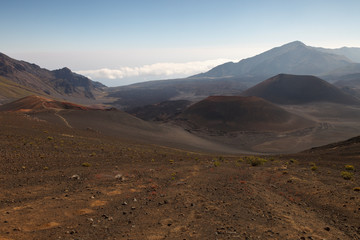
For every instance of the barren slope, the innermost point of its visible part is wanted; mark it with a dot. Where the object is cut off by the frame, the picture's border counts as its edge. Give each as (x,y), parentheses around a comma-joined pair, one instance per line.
(63,183)
(222,113)
(299,89)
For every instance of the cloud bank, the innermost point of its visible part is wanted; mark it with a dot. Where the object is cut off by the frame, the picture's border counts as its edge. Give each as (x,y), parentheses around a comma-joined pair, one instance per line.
(154,71)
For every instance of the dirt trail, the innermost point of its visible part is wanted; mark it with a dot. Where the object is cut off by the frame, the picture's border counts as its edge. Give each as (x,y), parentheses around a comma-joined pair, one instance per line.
(56,113)
(62,118)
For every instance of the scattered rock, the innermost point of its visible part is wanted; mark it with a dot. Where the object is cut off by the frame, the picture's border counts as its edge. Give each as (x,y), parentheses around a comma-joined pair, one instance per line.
(71,232)
(327,228)
(119,177)
(75,177)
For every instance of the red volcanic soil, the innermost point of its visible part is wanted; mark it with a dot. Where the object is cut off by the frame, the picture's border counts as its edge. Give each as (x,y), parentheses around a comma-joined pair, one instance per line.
(235,113)
(299,89)
(64,183)
(37,103)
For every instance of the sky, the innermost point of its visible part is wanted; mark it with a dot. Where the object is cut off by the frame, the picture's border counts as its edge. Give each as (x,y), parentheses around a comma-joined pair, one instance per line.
(118,42)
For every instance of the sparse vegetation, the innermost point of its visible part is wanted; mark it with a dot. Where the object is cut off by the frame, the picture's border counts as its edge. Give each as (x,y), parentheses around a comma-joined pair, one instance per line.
(86,164)
(349,167)
(256,161)
(356,189)
(347,175)
(314,168)
(293,161)
(217,163)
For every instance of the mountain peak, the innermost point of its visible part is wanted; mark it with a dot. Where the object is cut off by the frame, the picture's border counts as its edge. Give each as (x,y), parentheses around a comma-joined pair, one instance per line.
(295,43)
(237,113)
(63,71)
(299,89)
(293,58)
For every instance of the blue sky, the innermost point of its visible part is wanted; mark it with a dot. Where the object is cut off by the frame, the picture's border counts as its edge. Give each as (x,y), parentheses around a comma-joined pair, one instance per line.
(119,42)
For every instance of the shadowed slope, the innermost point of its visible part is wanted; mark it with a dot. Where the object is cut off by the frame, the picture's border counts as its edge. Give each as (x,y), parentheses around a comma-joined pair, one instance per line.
(62,83)
(234,113)
(299,89)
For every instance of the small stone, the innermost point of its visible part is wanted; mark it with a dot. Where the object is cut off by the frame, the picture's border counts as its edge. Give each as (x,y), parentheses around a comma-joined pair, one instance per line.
(75,177)
(327,228)
(119,177)
(124,203)
(133,208)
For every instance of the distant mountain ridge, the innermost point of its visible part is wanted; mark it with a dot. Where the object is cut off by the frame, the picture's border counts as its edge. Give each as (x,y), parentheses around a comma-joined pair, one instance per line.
(291,58)
(231,79)
(352,53)
(62,83)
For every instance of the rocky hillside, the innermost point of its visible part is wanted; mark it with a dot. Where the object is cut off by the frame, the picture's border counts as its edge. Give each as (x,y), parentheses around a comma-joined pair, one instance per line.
(20,78)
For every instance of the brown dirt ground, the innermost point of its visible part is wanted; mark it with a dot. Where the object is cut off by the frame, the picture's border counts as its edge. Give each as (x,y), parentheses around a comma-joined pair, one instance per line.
(165,193)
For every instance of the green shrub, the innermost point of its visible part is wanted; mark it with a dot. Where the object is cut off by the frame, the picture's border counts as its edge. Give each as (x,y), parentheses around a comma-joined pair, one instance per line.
(294,161)
(256,161)
(86,164)
(347,175)
(314,168)
(349,167)
(217,163)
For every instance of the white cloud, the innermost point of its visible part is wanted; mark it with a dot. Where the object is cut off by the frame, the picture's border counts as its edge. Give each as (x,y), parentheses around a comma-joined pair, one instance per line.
(154,71)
